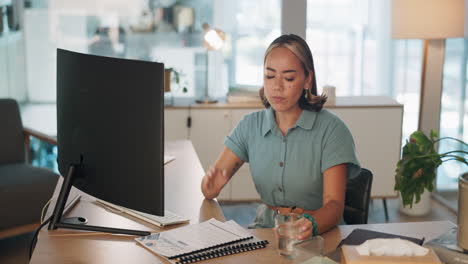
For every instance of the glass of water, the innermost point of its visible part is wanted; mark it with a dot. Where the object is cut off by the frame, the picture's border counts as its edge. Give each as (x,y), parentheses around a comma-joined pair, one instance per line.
(287,229)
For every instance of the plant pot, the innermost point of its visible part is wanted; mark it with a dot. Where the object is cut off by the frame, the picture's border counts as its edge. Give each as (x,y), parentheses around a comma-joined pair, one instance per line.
(462,235)
(167,80)
(419,209)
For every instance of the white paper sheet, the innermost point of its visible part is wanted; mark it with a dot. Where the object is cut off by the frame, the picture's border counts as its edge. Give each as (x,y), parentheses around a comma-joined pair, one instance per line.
(191,238)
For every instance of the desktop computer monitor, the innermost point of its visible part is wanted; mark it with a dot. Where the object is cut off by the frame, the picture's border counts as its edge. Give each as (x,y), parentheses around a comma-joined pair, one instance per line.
(110,130)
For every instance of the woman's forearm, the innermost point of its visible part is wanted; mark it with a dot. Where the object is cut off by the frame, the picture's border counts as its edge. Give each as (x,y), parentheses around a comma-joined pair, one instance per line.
(220,173)
(328,216)
(208,191)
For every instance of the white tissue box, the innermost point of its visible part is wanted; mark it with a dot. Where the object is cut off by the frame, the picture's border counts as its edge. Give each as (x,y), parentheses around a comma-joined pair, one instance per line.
(349,255)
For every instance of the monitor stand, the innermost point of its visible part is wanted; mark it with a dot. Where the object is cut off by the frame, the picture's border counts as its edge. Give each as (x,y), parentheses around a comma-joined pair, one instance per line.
(80,222)
(75,220)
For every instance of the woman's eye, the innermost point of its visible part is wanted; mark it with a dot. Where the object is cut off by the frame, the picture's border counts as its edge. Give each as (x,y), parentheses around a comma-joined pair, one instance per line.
(289,79)
(269,76)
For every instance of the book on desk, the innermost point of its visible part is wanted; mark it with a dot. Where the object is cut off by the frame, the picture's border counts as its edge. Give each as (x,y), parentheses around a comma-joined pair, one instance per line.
(203,241)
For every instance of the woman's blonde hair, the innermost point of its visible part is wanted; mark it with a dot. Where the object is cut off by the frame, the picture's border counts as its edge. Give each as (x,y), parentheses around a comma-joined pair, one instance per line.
(299,47)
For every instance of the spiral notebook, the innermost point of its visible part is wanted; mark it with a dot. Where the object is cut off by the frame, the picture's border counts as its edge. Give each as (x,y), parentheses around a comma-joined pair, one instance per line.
(207,240)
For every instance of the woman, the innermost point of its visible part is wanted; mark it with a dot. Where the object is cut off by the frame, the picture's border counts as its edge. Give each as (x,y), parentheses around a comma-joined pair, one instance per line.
(300,155)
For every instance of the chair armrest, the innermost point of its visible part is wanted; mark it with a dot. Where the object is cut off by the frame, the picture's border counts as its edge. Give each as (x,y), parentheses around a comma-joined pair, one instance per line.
(14,231)
(41,136)
(28,132)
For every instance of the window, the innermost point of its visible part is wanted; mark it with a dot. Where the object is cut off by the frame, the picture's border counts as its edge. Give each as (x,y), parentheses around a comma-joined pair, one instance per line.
(251,26)
(12,60)
(407,82)
(352,48)
(335,34)
(454,111)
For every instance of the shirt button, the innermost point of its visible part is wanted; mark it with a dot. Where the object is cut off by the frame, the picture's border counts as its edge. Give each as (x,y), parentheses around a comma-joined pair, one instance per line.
(281,164)
(284,139)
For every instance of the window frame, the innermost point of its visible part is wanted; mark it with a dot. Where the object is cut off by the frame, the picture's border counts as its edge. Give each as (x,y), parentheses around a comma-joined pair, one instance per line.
(293,21)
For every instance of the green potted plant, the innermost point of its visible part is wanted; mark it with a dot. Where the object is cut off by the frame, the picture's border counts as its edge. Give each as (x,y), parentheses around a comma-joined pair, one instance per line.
(416,170)
(171,74)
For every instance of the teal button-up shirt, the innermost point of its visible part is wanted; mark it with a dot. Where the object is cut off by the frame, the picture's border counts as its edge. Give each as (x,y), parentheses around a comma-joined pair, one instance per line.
(288,170)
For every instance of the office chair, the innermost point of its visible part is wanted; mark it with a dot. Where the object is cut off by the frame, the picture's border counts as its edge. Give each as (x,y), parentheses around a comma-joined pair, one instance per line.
(24,189)
(357,198)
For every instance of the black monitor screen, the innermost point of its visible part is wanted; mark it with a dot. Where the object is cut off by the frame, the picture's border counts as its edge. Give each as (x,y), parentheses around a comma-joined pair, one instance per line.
(110,119)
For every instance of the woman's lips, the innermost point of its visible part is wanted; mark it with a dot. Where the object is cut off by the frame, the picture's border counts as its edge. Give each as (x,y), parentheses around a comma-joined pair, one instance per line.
(277,99)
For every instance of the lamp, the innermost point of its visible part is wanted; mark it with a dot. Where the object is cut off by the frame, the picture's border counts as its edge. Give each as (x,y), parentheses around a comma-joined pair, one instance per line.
(433,21)
(213,39)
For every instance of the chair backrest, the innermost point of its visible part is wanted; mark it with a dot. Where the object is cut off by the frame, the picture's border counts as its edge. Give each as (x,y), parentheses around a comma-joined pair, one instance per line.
(11,133)
(357,198)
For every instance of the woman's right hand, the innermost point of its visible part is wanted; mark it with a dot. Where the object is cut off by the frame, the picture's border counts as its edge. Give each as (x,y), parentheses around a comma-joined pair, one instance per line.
(214,181)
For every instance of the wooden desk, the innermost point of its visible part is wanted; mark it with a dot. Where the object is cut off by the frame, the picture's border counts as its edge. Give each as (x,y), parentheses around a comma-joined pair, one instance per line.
(183,196)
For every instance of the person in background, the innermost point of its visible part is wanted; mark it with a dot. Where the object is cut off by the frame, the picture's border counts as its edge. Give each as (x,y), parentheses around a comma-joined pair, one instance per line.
(300,155)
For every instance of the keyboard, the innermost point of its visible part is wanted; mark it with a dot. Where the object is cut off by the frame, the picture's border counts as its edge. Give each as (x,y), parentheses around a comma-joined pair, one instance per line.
(169,218)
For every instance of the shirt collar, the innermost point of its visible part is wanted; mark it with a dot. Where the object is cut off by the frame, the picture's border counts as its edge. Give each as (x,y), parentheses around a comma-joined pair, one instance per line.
(306,120)
(269,121)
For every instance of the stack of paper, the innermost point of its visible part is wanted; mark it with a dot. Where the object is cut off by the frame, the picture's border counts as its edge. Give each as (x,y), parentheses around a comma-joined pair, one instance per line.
(202,241)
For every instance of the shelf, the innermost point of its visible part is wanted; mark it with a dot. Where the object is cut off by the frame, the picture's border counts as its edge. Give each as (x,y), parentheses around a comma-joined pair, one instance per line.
(173,39)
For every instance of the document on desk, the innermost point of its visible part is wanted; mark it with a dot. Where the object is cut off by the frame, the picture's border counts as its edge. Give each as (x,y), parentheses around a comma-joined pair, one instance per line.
(190,239)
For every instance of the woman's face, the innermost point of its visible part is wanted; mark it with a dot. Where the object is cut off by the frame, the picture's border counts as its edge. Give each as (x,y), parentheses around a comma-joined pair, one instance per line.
(284,80)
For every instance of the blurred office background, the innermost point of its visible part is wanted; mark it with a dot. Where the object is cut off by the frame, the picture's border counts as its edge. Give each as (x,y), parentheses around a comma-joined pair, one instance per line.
(350,41)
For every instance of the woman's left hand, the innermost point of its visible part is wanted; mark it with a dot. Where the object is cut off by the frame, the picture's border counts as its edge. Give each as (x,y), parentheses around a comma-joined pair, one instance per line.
(305,229)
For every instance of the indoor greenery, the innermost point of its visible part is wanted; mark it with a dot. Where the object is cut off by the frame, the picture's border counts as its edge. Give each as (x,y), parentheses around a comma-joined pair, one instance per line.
(416,170)
(176,77)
